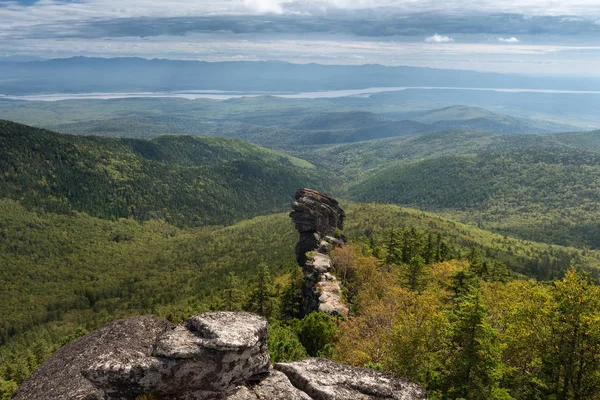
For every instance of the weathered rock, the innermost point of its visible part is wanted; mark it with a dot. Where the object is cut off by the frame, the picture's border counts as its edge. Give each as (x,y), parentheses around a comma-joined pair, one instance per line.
(208,357)
(318,218)
(330,296)
(318,264)
(322,291)
(212,352)
(275,386)
(213,356)
(60,378)
(324,379)
(315,215)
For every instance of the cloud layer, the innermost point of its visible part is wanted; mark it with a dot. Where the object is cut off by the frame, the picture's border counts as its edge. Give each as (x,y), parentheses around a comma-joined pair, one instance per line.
(552,36)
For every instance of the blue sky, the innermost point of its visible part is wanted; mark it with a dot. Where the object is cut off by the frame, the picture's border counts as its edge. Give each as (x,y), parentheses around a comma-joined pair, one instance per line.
(529,36)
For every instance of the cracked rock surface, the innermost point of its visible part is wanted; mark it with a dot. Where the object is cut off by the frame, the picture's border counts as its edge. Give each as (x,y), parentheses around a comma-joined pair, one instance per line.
(212,352)
(60,376)
(324,379)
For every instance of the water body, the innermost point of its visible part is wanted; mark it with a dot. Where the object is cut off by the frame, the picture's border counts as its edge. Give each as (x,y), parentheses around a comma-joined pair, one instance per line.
(225,95)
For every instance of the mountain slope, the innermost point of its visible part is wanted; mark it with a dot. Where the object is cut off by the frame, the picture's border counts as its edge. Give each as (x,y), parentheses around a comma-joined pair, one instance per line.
(185,180)
(548,195)
(355,160)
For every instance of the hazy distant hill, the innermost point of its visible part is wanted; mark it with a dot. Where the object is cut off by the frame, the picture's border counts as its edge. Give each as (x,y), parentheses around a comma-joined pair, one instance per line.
(481,120)
(185,180)
(81,74)
(266,121)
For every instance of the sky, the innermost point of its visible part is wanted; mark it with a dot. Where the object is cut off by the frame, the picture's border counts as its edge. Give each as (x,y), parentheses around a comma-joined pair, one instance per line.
(530,36)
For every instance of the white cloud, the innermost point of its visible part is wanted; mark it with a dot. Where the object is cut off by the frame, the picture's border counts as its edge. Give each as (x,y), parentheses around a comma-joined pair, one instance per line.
(264,6)
(508,40)
(437,38)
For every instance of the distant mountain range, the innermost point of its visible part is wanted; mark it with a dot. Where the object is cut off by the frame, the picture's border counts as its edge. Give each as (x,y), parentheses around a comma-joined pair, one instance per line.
(81,74)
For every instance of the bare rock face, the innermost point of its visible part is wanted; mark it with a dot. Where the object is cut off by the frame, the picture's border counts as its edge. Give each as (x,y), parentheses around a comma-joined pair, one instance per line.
(207,357)
(322,291)
(275,386)
(318,218)
(60,376)
(324,379)
(315,216)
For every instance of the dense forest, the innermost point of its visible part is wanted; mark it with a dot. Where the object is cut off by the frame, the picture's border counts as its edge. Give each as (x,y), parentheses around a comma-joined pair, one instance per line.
(465,329)
(544,195)
(183,180)
(67,274)
(95,228)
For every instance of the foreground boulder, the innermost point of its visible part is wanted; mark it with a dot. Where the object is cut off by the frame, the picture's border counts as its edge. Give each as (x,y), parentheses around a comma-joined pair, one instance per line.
(275,386)
(213,356)
(60,376)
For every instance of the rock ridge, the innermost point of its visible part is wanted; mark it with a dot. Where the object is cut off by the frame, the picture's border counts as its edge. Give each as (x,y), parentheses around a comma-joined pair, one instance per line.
(320,220)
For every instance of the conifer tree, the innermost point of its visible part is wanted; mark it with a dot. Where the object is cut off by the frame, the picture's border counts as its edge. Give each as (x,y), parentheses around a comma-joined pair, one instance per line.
(474,370)
(571,360)
(261,299)
(393,248)
(415,272)
(233,294)
(291,297)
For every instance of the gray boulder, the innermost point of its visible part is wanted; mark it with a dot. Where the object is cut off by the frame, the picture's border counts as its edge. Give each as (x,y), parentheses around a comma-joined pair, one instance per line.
(207,357)
(60,378)
(324,379)
(275,386)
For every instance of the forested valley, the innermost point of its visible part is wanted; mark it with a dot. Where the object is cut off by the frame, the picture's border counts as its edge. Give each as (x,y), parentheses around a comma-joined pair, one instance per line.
(472,265)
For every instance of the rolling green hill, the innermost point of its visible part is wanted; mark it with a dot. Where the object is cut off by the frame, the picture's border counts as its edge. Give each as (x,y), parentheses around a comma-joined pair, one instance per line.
(354,160)
(185,180)
(548,195)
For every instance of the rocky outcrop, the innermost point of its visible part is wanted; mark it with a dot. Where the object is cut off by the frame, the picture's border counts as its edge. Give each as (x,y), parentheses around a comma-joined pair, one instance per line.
(275,386)
(208,356)
(60,376)
(319,220)
(322,291)
(213,356)
(316,216)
